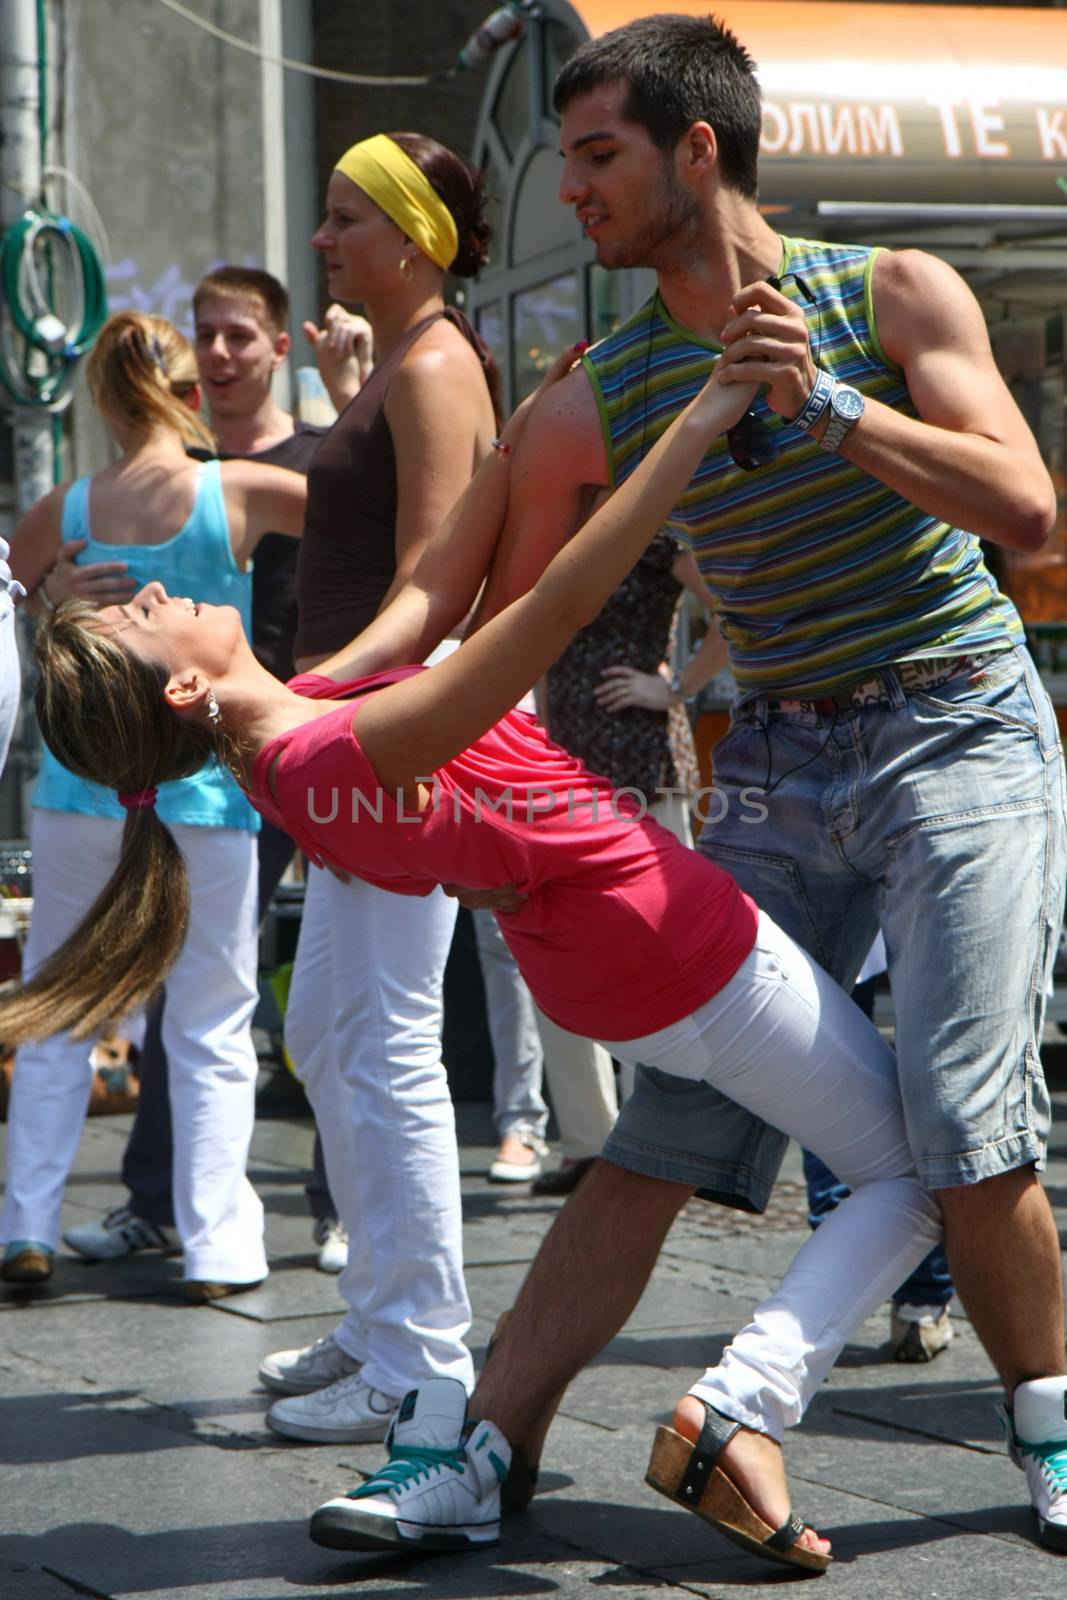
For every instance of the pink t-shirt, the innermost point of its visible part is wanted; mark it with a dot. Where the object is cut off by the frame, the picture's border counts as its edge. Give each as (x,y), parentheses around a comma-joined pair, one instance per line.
(625,931)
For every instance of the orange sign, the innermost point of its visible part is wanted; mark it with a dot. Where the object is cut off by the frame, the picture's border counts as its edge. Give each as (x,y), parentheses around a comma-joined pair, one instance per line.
(962,104)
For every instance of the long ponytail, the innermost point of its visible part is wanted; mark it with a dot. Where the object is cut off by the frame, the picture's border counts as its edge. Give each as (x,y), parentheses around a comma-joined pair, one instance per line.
(102,713)
(142,372)
(116,958)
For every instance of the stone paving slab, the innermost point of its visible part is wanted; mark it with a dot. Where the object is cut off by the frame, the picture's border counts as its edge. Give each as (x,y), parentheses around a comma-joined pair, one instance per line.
(19,1582)
(139,1465)
(866,1493)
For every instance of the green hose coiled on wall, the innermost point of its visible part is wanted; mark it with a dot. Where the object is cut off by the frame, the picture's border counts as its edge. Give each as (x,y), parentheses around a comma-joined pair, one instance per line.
(53,303)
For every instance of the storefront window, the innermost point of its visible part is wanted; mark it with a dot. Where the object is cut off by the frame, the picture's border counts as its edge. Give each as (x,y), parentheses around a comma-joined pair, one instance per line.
(614,295)
(496,188)
(541,222)
(511,114)
(545,320)
(490,323)
(560,44)
(1029,353)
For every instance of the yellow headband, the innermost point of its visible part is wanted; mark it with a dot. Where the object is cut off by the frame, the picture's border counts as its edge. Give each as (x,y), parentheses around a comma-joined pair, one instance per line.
(381,169)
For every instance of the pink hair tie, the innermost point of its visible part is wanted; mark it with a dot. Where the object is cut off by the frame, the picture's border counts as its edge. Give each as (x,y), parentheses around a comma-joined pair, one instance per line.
(139,800)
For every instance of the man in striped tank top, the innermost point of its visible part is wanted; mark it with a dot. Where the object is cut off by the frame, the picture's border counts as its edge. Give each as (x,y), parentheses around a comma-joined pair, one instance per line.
(889,722)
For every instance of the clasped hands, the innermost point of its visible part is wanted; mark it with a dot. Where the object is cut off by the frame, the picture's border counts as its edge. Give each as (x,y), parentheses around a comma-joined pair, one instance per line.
(765,341)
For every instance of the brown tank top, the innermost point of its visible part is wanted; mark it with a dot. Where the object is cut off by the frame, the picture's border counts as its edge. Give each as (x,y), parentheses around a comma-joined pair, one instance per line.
(348,552)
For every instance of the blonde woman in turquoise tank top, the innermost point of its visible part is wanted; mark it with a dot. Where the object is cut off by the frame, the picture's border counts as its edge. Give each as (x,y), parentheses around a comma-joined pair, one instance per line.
(199,523)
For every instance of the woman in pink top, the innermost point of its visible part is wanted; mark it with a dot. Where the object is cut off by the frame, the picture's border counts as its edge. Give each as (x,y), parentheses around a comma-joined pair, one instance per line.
(625,935)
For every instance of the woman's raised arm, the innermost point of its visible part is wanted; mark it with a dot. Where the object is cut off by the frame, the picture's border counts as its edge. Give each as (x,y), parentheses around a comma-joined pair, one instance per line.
(453,563)
(259,500)
(410,729)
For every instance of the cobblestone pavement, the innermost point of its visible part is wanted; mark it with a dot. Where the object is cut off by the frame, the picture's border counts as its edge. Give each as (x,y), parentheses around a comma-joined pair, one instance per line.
(136,1462)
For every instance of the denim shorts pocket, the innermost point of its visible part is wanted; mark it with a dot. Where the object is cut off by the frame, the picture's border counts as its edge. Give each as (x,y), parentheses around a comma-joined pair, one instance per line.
(777,886)
(1002,692)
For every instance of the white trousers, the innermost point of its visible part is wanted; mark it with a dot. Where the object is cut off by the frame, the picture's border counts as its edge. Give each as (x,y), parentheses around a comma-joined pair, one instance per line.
(363,1027)
(10,677)
(783,1040)
(211,995)
(580,1076)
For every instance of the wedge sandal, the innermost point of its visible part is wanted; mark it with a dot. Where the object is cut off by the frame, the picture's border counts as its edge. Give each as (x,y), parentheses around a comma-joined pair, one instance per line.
(686,1473)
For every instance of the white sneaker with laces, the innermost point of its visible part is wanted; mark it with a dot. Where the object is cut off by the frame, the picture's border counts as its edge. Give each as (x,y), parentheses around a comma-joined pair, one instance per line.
(332,1241)
(1036,1428)
(440,1488)
(316,1366)
(120,1233)
(348,1412)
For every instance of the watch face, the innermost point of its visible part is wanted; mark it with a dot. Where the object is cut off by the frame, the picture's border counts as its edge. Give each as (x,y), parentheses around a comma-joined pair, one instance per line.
(848,403)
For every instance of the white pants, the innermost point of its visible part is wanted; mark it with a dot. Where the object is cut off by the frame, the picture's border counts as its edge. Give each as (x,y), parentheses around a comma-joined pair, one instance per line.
(211,995)
(783,1040)
(581,1078)
(10,678)
(363,1027)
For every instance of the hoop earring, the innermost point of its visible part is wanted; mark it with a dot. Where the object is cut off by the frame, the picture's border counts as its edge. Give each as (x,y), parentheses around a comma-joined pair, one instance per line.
(214,715)
(405,267)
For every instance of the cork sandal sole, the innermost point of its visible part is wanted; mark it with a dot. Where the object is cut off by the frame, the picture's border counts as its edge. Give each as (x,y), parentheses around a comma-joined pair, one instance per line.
(722,1504)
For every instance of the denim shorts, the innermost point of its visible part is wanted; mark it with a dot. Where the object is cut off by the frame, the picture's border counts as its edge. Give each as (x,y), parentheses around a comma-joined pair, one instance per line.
(937,814)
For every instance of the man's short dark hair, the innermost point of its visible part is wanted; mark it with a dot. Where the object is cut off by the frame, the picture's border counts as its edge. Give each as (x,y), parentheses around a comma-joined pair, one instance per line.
(247,283)
(677,70)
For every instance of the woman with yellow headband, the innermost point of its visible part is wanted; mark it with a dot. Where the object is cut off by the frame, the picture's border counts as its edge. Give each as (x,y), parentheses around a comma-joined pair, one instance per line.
(364,1014)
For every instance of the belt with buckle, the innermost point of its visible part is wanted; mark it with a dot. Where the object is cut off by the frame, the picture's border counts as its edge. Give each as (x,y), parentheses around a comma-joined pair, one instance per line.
(927,673)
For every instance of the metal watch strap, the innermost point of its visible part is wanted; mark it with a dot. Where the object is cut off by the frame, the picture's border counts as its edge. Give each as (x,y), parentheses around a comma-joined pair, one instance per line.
(816,403)
(833,438)
(835,431)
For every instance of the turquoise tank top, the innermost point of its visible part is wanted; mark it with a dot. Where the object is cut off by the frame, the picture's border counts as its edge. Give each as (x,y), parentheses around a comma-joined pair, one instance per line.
(821,573)
(197,561)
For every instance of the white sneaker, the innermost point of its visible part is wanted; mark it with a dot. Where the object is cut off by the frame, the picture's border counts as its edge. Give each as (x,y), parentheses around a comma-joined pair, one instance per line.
(120,1233)
(918,1333)
(303,1371)
(1036,1428)
(529,1165)
(332,1241)
(440,1488)
(348,1412)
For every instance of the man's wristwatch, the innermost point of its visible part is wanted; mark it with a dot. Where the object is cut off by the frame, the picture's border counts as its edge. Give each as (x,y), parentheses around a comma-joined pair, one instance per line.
(846,408)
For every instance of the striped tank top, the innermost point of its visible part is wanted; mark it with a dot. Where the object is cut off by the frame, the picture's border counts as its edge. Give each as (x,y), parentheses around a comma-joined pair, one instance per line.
(821,573)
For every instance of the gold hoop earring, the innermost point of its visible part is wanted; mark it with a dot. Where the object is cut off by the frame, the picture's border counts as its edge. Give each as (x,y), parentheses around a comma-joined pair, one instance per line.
(405,267)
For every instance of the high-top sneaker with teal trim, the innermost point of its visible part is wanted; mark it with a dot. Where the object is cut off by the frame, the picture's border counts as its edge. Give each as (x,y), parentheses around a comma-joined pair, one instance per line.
(1037,1441)
(440,1488)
